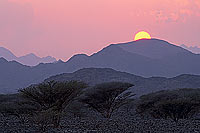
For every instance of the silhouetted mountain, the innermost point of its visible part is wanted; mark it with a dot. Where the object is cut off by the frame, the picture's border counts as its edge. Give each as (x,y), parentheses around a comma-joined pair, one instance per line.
(142,86)
(14,75)
(194,49)
(8,55)
(29,59)
(153,48)
(172,61)
(144,57)
(111,57)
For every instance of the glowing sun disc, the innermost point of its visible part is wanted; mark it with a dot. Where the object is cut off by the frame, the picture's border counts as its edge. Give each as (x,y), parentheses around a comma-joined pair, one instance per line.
(142,35)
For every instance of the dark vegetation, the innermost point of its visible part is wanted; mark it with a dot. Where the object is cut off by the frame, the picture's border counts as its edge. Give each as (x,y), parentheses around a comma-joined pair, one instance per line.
(48,103)
(45,104)
(105,98)
(173,104)
(51,99)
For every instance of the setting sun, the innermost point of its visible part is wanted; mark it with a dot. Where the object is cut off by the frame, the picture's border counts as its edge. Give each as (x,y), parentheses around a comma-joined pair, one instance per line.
(142,35)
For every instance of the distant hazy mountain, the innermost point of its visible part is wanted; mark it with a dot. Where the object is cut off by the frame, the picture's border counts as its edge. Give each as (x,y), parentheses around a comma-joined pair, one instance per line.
(194,49)
(33,60)
(142,86)
(8,55)
(29,60)
(145,58)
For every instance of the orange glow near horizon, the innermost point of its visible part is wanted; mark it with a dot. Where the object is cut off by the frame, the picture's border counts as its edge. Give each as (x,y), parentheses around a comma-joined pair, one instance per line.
(142,35)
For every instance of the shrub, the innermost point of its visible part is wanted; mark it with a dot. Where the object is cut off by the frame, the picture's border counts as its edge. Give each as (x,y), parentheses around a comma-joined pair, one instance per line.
(177,109)
(108,97)
(13,105)
(174,104)
(76,109)
(52,97)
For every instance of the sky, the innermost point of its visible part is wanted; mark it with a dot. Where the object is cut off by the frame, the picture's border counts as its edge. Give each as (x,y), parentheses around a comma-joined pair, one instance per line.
(62,28)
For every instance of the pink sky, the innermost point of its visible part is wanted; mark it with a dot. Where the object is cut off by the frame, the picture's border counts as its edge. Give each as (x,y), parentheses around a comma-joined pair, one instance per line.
(62,28)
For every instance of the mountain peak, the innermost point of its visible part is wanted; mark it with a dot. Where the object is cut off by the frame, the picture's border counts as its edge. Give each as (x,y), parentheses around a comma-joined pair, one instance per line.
(31,55)
(78,57)
(3,59)
(152,48)
(7,54)
(29,59)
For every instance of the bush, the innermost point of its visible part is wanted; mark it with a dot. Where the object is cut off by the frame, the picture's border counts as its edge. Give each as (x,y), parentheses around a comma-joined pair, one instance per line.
(76,109)
(177,109)
(174,104)
(13,105)
(51,98)
(108,97)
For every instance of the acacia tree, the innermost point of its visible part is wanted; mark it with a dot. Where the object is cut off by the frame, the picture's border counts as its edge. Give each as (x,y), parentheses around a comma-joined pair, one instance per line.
(105,98)
(172,104)
(177,109)
(52,97)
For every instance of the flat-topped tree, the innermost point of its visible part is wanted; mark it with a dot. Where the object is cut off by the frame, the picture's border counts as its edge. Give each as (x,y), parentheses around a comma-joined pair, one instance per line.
(105,98)
(170,104)
(53,96)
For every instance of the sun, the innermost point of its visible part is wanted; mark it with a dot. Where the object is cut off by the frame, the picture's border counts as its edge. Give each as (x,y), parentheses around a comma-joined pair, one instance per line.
(142,35)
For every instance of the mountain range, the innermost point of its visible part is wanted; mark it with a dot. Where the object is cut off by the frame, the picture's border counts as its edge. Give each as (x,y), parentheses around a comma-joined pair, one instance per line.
(142,85)
(146,58)
(29,59)
(194,49)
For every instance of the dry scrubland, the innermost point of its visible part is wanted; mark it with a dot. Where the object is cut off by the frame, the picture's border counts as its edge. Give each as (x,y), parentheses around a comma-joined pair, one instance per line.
(108,107)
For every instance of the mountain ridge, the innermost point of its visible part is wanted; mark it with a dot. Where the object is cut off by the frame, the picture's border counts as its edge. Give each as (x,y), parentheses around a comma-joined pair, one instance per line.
(15,75)
(119,58)
(28,59)
(142,86)
(152,48)
(194,49)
